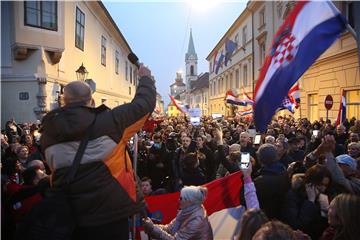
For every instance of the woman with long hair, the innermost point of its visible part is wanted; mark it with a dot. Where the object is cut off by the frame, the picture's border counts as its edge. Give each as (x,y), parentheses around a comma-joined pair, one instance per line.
(251,221)
(343,218)
(306,202)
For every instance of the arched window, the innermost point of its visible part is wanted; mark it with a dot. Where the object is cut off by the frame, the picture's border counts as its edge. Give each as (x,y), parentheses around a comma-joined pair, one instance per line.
(192,70)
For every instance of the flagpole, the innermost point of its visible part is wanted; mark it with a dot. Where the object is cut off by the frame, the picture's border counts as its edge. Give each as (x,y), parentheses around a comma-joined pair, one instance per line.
(356,16)
(135,158)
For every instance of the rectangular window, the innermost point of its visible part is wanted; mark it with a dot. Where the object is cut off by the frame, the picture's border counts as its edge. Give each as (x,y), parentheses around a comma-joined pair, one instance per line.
(79,29)
(129,90)
(262,18)
(126,70)
(244,36)
(41,14)
(103,50)
(245,79)
(220,85)
(237,39)
(237,77)
(117,61)
(135,77)
(262,53)
(131,75)
(227,83)
(216,87)
(231,81)
(313,107)
(210,67)
(352,104)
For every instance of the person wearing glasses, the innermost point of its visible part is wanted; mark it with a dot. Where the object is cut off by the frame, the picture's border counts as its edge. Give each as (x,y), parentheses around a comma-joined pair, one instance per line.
(191,222)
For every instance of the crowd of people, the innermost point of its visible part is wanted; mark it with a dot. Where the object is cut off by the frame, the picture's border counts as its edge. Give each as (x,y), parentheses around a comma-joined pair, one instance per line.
(306,176)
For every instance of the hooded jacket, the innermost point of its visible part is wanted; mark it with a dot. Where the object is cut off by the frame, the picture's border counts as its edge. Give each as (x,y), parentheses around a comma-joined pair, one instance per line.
(104,189)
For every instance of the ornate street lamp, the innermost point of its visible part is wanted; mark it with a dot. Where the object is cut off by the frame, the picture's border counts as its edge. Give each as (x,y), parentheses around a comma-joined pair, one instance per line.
(81,73)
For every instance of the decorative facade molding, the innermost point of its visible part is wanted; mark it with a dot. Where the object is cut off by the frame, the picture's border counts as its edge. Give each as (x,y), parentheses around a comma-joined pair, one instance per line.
(41,109)
(54,56)
(20,53)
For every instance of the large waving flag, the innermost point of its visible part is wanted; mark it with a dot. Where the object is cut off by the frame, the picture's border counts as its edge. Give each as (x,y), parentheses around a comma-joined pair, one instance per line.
(232,98)
(294,95)
(247,98)
(245,112)
(223,197)
(305,34)
(287,104)
(230,47)
(179,105)
(342,110)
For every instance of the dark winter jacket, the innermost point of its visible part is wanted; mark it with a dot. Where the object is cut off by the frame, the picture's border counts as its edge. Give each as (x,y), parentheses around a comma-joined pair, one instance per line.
(193,176)
(272,185)
(104,189)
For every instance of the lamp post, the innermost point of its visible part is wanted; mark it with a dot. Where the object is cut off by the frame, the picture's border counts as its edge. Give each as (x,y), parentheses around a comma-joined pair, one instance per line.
(81,73)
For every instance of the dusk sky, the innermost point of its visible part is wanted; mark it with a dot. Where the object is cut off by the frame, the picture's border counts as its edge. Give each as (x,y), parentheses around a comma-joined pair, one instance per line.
(158,32)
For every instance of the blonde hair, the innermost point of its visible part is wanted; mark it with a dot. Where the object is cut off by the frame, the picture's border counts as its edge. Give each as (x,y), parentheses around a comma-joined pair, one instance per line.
(347,211)
(194,194)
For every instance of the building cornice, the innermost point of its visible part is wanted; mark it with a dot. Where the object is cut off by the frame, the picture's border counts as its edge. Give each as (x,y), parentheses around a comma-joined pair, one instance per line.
(17,78)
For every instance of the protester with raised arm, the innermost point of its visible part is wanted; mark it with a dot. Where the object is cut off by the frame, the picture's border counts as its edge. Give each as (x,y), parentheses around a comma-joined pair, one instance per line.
(104,193)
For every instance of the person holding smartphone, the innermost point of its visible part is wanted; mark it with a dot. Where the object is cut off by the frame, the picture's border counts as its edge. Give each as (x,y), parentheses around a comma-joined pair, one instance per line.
(272,182)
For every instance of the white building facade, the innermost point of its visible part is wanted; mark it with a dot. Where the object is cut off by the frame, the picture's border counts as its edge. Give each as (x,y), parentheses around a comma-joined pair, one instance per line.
(44,45)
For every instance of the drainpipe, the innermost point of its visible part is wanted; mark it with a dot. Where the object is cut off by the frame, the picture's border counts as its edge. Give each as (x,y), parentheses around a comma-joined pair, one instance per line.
(252,54)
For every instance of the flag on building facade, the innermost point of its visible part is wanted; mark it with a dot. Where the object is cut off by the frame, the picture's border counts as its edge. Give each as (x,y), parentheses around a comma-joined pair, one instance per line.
(215,61)
(342,110)
(179,105)
(219,63)
(305,34)
(230,47)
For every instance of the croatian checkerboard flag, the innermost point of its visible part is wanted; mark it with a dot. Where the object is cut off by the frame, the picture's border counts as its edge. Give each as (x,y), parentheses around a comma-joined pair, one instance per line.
(305,34)
(342,110)
(287,104)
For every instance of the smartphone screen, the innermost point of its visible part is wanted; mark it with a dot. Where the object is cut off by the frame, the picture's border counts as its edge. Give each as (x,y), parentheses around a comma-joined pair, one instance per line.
(245,160)
(316,133)
(257,139)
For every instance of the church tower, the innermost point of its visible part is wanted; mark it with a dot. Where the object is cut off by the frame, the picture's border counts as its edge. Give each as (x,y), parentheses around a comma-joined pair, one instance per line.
(191,63)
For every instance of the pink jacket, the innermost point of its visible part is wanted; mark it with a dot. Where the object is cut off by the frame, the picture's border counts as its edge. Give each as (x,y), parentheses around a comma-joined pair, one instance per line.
(251,199)
(191,226)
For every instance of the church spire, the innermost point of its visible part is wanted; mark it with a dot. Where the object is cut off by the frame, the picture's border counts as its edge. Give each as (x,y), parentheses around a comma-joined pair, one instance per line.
(191,49)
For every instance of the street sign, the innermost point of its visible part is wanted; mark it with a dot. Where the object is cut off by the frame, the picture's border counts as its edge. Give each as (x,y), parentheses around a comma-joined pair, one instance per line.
(328,102)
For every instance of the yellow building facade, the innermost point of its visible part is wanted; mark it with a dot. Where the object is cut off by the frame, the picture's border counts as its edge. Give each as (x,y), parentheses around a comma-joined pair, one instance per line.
(336,70)
(172,110)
